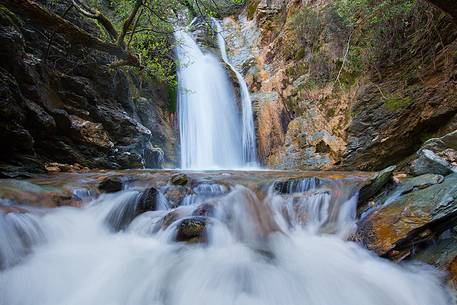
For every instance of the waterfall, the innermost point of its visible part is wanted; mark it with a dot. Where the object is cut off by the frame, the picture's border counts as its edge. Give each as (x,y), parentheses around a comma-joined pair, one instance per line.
(286,246)
(248,132)
(213,134)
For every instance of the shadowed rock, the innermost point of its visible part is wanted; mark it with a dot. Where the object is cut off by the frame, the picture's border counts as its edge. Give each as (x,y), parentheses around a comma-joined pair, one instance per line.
(110,185)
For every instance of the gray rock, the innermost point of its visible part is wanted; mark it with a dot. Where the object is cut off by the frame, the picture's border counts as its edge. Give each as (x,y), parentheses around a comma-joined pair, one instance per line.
(377,182)
(430,163)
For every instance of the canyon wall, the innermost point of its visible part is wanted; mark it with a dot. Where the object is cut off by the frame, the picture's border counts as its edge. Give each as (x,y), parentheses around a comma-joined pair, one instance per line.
(328,94)
(64,104)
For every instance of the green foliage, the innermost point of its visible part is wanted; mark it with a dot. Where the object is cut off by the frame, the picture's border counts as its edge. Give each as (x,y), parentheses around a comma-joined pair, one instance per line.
(372,32)
(371,12)
(251,8)
(151,34)
(306,26)
(394,102)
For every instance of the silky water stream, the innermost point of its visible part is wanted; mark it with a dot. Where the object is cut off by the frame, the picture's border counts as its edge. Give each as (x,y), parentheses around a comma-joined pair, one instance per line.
(223,242)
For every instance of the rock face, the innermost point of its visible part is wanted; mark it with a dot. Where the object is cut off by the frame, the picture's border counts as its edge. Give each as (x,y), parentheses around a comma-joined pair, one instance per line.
(438,156)
(312,114)
(410,220)
(62,104)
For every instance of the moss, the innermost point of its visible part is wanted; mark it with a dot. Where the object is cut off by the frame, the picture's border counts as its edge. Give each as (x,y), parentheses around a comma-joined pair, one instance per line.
(395,102)
(251,8)
(300,54)
(331,112)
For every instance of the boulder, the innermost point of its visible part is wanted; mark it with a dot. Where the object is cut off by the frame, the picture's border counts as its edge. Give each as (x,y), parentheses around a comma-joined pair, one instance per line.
(430,162)
(204,209)
(414,218)
(176,193)
(192,230)
(437,156)
(179,179)
(110,185)
(120,217)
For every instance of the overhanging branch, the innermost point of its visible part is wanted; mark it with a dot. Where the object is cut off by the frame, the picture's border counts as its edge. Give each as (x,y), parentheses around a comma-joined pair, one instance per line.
(73,33)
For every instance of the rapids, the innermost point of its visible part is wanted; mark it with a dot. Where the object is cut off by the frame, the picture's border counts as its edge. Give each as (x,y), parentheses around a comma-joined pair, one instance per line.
(281,243)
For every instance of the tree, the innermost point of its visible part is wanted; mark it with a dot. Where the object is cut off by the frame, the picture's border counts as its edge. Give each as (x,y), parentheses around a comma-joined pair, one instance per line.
(36,13)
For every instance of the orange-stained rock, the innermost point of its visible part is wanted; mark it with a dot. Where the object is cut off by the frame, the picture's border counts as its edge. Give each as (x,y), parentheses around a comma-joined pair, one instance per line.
(410,220)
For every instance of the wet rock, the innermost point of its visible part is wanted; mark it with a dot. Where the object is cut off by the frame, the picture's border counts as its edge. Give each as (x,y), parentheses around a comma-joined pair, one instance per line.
(412,219)
(204,209)
(170,218)
(192,230)
(119,218)
(418,183)
(56,107)
(179,179)
(55,167)
(376,183)
(442,255)
(27,193)
(110,185)
(296,185)
(11,209)
(176,193)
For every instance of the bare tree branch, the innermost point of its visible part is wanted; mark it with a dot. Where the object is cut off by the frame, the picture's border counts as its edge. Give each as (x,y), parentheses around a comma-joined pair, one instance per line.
(95,14)
(73,33)
(128,22)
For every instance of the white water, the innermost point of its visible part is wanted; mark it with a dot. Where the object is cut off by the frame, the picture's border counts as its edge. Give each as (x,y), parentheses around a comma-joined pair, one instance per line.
(258,253)
(248,133)
(213,135)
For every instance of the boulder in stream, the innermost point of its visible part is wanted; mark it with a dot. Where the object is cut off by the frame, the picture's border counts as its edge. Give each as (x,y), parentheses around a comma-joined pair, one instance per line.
(192,230)
(414,218)
(110,185)
(120,217)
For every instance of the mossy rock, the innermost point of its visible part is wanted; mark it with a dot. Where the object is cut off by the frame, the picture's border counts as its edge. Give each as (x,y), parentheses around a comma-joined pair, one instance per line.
(395,102)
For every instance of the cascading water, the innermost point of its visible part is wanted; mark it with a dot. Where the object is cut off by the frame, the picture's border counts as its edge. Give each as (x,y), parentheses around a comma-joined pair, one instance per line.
(284,245)
(212,134)
(248,132)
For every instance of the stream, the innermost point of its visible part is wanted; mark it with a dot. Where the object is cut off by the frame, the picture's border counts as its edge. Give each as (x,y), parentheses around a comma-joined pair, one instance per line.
(193,236)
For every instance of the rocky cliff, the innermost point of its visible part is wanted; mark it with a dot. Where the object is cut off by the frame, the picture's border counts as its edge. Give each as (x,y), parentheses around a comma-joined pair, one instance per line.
(334,94)
(63,104)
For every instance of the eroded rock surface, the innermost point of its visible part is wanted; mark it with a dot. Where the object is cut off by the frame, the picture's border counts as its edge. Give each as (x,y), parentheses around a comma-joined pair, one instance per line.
(414,218)
(63,104)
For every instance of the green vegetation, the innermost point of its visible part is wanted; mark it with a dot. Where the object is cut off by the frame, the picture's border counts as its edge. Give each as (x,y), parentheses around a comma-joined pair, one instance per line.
(362,26)
(369,25)
(394,102)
